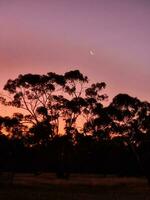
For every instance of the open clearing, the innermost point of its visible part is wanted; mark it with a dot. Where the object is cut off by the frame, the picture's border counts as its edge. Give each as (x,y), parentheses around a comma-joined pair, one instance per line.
(79,187)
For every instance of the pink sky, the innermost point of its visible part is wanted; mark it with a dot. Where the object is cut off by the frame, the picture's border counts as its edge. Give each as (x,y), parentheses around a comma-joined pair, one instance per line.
(40,36)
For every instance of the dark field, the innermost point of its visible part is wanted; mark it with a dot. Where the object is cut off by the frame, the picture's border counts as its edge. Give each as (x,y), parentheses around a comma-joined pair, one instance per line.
(84,187)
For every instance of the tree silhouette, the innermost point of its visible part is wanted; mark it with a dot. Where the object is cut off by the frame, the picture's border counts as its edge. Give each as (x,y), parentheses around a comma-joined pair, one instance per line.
(34,94)
(94,107)
(130,117)
(93,134)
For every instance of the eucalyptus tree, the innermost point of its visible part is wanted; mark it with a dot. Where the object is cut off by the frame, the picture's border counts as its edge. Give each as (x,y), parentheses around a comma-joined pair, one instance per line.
(84,102)
(12,143)
(12,126)
(93,110)
(36,95)
(75,86)
(49,99)
(131,119)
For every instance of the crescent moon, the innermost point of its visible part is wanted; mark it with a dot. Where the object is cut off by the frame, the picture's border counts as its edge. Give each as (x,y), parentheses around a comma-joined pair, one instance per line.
(91,52)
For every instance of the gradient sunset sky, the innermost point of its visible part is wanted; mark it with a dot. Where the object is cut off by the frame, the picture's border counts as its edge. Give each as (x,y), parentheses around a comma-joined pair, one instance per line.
(108,40)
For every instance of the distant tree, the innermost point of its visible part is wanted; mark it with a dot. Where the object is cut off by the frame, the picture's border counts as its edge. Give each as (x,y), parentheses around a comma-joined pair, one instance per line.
(4,151)
(12,135)
(130,116)
(51,97)
(38,96)
(72,100)
(45,100)
(93,110)
(131,119)
(12,126)
(74,87)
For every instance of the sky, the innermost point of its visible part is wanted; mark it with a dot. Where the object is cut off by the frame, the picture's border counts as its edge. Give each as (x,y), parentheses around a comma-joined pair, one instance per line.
(107,40)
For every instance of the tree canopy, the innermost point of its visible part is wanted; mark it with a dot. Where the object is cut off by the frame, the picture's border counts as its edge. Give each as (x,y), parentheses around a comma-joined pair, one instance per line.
(52,102)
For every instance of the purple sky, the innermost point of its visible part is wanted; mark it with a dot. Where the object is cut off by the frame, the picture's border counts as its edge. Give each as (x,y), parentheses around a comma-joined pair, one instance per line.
(40,36)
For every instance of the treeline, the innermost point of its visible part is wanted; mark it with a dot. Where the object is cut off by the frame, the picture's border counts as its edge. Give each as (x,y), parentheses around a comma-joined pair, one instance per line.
(63,125)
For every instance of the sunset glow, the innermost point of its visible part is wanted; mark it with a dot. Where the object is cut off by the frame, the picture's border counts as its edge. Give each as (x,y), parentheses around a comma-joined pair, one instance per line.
(107,40)
(74,99)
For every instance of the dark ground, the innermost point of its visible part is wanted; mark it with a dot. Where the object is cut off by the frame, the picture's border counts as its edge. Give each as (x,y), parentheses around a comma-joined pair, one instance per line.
(78,187)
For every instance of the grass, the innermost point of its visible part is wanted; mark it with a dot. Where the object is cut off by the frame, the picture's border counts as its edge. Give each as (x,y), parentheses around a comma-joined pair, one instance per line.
(78,187)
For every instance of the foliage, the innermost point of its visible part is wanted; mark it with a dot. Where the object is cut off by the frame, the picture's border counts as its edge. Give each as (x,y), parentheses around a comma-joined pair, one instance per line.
(106,133)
